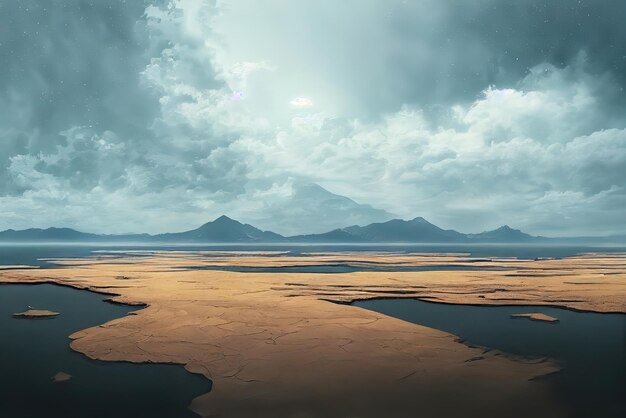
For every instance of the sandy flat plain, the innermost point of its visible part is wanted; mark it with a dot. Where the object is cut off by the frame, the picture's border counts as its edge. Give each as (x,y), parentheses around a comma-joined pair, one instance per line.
(275,344)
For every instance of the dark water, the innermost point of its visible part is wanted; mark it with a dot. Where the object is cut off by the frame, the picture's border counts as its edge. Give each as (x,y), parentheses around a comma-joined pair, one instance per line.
(31,254)
(335,268)
(590,347)
(32,351)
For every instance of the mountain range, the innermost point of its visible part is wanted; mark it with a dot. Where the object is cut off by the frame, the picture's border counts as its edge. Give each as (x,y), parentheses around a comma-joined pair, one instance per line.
(227,230)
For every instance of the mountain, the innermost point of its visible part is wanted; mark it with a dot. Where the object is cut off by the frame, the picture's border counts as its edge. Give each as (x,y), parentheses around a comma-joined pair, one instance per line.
(50,235)
(222,229)
(287,206)
(65,235)
(398,230)
(503,234)
(417,230)
(227,230)
(334,236)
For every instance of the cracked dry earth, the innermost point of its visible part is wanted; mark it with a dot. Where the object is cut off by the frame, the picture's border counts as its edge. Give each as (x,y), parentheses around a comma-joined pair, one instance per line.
(275,345)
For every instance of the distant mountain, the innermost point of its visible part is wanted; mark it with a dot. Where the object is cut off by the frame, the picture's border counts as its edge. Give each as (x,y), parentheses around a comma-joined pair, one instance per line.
(65,235)
(334,236)
(223,229)
(503,234)
(227,230)
(50,235)
(398,230)
(417,230)
(322,210)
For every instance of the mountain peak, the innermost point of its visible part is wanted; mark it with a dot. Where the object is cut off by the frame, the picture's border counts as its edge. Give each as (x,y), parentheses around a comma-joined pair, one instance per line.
(221,222)
(504,234)
(223,229)
(224,219)
(506,228)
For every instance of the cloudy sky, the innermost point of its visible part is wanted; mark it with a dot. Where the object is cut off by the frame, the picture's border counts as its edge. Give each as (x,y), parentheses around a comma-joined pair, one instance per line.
(301,116)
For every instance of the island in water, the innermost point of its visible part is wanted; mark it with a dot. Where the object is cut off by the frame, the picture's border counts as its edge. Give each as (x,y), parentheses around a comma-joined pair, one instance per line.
(36,314)
(536,316)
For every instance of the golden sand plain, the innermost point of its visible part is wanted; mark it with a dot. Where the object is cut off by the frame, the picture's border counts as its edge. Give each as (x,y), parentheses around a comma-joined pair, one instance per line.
(275,345)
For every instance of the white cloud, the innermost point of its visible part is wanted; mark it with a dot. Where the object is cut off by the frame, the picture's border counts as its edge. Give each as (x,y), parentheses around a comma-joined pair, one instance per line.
(544,154)
(504,154)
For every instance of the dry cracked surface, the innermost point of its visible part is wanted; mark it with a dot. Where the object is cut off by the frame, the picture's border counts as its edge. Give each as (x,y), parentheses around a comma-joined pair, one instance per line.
(275,345)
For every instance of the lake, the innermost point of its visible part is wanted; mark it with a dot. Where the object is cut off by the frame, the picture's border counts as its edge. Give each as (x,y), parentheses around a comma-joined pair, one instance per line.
(591,347)
(32,351)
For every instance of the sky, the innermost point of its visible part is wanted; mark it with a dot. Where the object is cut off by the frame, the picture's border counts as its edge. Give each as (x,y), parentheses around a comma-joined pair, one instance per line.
(300,116)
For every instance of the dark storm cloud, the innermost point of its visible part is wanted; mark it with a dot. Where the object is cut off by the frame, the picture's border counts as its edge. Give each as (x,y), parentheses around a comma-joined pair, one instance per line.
(473,44)
(67,63)
(429,53)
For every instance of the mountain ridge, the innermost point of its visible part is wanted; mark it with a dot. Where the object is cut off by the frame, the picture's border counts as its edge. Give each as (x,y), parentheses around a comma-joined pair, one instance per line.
(222,229)
(227,230)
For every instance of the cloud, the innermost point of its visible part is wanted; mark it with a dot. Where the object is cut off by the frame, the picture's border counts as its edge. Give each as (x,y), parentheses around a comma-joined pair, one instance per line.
(507,155)
(367,58)
(158,117)
(296,206)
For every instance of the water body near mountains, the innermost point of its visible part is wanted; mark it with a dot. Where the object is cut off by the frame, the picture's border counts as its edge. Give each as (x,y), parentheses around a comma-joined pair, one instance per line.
(583,343)
(226,230)
(590,347)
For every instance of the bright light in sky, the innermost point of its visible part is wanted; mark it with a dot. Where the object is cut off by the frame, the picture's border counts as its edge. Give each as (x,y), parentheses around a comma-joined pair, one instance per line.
(236,96)
(301,102)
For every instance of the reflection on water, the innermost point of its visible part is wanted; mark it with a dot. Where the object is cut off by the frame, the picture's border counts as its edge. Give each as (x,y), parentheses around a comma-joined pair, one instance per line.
(591,347)
(33,351)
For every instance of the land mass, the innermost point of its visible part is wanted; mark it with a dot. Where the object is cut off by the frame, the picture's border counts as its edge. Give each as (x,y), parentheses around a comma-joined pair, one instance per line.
(288,345)
(536,316)
(61,377)
(227,230)
(36,314)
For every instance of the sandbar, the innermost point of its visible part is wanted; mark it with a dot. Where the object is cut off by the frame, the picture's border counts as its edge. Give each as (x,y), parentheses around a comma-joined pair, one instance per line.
(61,377)
(536,316)
(36,314)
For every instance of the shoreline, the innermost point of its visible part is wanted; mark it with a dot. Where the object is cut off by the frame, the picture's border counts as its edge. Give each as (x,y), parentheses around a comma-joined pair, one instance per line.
(149,280)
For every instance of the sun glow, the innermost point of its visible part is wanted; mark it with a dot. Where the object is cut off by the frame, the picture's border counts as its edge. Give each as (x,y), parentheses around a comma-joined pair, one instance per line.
(301,102)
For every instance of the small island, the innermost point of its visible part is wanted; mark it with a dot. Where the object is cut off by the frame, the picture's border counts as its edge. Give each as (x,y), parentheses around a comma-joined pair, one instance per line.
(536,317)
(61,377)
(36,314)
